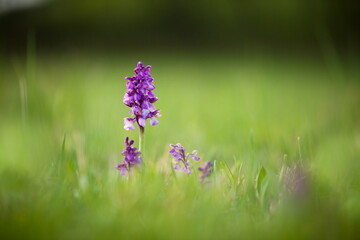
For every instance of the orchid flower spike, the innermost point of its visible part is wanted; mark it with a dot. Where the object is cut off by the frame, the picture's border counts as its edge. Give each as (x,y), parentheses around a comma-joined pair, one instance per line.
(181,158)
(140,98)
(131,157)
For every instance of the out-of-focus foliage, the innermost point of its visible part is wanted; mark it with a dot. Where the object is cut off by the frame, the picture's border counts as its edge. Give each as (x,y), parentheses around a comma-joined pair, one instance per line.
(218,21)
(62,134)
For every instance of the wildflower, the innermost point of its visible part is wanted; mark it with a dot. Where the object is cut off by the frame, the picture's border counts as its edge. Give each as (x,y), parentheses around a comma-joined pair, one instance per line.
(296,182)
(132,157)
(140,98)
(206,170)
(178,152)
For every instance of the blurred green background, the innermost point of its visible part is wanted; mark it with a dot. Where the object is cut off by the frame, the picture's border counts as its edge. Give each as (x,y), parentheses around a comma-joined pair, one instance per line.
(200,23)
(256,85)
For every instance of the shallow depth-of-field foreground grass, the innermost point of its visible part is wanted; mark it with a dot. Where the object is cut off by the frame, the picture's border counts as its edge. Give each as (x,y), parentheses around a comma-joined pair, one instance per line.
(285,134)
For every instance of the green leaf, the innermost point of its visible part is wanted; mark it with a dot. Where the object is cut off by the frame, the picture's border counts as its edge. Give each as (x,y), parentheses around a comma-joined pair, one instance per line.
(260,178)
(227,171)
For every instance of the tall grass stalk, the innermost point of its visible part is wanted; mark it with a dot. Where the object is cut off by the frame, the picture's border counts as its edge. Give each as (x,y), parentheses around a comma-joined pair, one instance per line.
(299,149)
(23,97)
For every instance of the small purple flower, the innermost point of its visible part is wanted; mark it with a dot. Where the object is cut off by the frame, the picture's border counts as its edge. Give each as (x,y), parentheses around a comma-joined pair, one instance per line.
(132,157)
(206,170)
(140,98)
(178,152)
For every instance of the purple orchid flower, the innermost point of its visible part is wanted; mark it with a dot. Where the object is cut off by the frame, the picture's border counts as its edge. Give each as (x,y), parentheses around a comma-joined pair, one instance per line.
(178,152)
(140,98)
(132,157)
(206,170)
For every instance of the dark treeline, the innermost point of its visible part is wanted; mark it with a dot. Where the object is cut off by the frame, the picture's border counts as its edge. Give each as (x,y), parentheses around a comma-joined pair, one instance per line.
(161,22)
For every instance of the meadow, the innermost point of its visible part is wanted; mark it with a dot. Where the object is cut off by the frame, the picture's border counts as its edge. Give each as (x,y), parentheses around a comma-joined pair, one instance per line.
(283,133)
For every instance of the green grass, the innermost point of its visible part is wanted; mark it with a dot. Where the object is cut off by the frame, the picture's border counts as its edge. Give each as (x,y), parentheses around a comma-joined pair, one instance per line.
(264,119)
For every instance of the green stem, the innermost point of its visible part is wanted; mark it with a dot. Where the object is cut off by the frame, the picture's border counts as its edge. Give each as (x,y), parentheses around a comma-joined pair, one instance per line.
(142,141)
